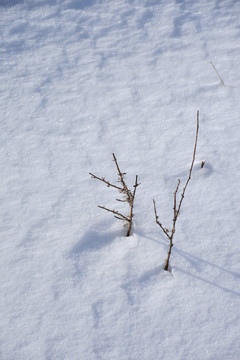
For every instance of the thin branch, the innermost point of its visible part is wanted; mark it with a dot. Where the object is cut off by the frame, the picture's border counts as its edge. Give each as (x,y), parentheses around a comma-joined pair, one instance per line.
(157,221)
(105,181)
(115,212)
(131,205)
(218,74)
(119,171)
(175,201)
(175,215)
(121,180)
(119,218)
(191,167)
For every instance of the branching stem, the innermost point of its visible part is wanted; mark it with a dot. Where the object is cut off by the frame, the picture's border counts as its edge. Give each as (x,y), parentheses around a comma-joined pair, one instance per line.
(128,196)
(176,208)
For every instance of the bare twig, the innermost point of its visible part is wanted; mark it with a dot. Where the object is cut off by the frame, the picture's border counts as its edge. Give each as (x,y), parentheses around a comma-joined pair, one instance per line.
(105,181)
(218,74)
(128,196)
(203,163)
(116,213)
(131,206)
(176,208)
(191,167)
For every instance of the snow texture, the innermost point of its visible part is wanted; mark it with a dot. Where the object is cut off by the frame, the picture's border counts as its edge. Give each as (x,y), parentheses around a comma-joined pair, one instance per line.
(80,79)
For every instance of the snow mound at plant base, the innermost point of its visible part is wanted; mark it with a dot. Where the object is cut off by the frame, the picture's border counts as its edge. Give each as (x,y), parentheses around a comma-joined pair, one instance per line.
(80,80)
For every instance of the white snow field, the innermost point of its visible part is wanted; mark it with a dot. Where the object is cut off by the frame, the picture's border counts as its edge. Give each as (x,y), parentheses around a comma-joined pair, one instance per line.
(80,80)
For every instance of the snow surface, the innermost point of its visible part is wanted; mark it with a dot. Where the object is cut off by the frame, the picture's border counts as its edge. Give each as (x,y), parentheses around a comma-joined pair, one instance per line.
(82,79)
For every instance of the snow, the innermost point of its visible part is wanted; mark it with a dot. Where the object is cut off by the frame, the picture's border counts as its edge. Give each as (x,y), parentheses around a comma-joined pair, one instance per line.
(83,79)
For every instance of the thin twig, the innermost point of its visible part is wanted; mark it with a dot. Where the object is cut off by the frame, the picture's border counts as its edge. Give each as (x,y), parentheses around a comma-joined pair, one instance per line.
(157,221)
(105,181)
(121,180)
(119,171)
(115,212)
(131,206)
(175,201)
(218,74)
(191,167)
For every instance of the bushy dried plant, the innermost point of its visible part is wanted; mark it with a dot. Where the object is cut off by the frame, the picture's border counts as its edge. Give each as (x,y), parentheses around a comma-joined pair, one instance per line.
(128,196)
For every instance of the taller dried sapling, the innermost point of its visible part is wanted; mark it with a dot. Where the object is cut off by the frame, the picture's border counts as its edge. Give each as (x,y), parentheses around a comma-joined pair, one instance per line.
(176,207)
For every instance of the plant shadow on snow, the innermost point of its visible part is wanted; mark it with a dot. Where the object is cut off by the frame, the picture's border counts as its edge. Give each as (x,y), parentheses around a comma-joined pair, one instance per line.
(93,240)
(148,279)
(204,172)
(196,262)
(149,274)
(130,287)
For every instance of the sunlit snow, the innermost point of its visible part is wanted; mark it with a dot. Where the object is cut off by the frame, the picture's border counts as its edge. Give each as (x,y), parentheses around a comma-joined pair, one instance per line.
(80,80)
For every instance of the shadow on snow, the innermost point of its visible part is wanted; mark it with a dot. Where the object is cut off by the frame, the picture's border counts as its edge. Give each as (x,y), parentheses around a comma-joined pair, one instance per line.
(93,240)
